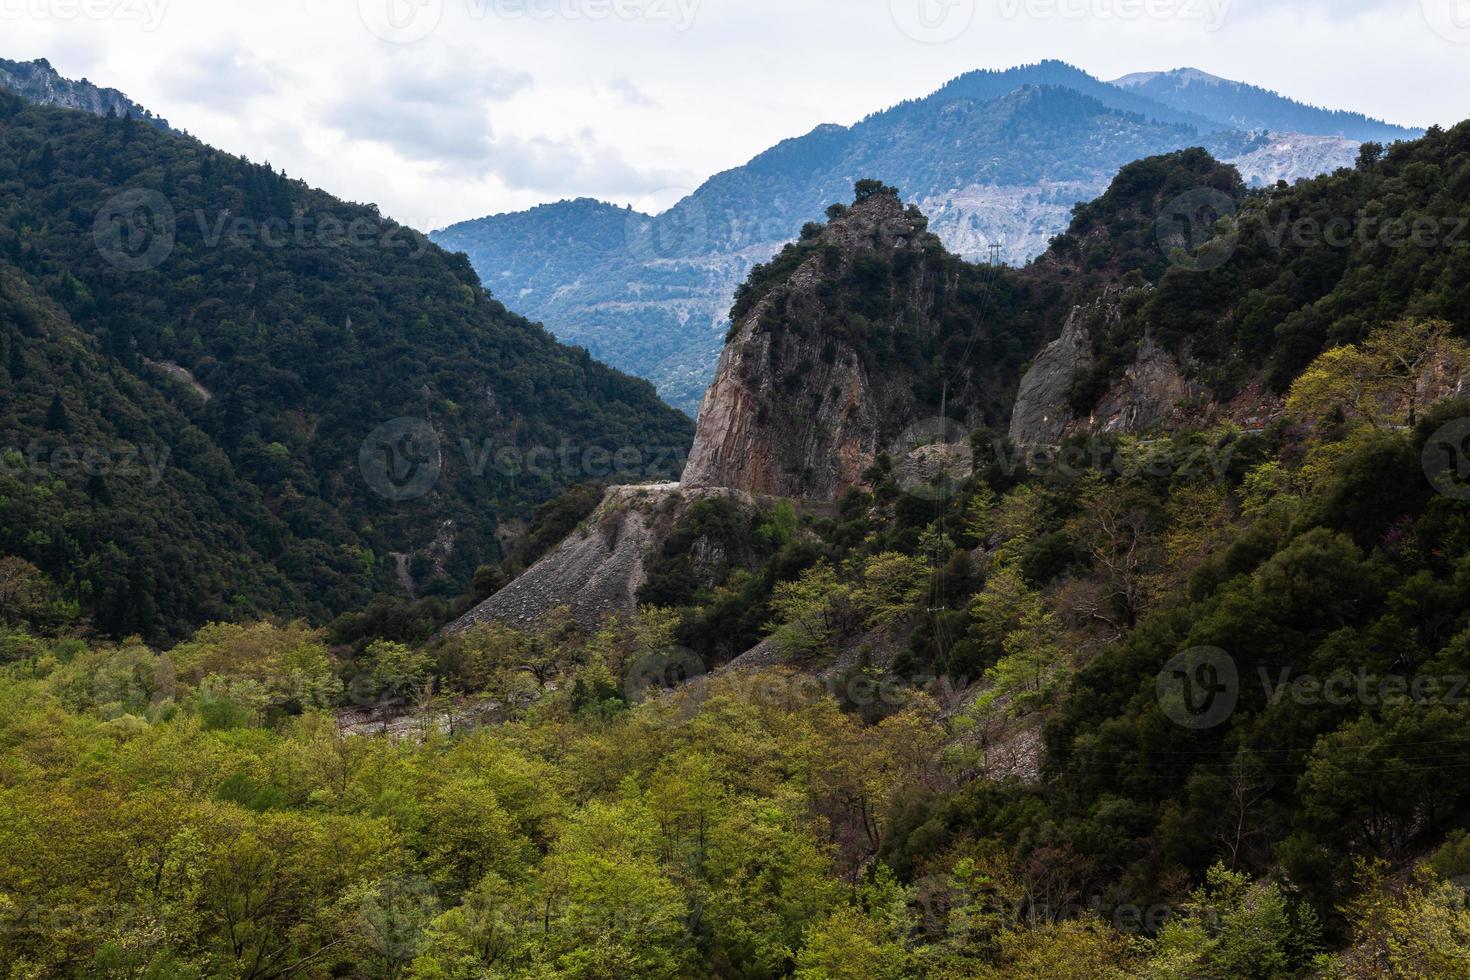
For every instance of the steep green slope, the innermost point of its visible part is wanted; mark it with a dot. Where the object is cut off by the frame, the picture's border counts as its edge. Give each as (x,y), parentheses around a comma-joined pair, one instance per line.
(285,328)
(1283,272)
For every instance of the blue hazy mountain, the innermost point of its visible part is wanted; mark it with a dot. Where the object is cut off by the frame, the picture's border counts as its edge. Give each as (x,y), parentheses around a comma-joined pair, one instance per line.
(997,159)
(1237,105)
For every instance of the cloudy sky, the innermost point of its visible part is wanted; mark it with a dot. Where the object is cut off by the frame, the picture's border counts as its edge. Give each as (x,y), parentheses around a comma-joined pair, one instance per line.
(440,110)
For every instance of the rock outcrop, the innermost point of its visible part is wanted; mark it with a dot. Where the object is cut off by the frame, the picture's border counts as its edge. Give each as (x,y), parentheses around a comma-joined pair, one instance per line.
(1043,410)
(599,568)
(36,81)
(1153,393)
(810,390)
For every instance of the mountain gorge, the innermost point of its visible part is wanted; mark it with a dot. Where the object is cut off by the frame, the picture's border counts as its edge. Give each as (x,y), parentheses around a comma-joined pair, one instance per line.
(866,355)
(993,158)
(1103,616)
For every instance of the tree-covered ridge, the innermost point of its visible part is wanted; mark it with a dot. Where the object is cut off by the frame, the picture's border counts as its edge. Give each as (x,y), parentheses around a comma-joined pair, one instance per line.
(541,811)
(1250,107)
(1269,278)
(135,516)
(284,326)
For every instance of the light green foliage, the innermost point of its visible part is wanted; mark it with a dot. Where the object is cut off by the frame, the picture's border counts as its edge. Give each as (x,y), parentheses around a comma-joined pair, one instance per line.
(892,585)
(1021,515)
(1378,381)
(812,613)
(396,670)
(1232,927)
(1002,605)
(779,527)
(851,944)
(1414,928)
(1034,661)
(980,514)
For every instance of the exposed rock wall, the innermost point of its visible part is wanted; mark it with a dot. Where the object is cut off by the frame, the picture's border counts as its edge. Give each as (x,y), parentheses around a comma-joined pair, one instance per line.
(36,81)
(1152,394)
(1042,412)
(796,410)
(600,567)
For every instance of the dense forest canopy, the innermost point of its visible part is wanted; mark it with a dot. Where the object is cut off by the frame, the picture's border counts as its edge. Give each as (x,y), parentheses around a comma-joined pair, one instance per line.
(1188,703)
(158,296)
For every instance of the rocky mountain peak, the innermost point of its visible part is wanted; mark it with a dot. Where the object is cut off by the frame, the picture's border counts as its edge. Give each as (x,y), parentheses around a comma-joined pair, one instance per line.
(829,358)
(37,81)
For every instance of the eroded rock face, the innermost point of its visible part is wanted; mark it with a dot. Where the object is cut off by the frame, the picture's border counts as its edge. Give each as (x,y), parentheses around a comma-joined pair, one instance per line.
(795,411)
(36,81)
(599,568)
(1153,394)
(1043,412)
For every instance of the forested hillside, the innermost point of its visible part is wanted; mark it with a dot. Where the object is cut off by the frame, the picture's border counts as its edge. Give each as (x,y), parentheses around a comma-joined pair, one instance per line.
(254,335)
(1177,701)
(1271,277)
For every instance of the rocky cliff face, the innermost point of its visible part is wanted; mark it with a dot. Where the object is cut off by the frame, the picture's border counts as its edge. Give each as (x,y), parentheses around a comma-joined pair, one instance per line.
(36,81)
(1043,411)
(825,370)
(1153,393)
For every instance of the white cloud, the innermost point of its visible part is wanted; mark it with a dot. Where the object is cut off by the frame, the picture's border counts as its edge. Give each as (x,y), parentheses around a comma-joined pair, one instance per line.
(492,111)
(222,76)
(631,93)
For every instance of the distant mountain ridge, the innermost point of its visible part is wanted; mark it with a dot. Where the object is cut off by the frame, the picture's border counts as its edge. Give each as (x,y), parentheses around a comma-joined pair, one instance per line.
(1249,107)
(993,157)
(38,82)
